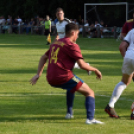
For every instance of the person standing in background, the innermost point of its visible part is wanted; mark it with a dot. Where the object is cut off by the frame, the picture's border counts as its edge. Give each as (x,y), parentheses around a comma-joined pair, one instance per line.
(47,28)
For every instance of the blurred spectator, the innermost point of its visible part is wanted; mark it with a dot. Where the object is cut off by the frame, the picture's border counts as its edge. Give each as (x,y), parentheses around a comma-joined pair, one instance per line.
(36,25)
(86,25)
(30,24)
(91,31)
(2,23)
(72,21)
(82,22)
(2,20)
(15,26)
(75,22)
(42,22)
(19,20)
(9,20)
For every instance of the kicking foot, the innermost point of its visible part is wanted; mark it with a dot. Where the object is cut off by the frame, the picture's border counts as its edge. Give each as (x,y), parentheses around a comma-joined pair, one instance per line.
(111,112)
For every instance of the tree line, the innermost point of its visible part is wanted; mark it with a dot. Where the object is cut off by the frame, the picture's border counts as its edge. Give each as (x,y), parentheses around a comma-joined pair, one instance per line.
(74,9)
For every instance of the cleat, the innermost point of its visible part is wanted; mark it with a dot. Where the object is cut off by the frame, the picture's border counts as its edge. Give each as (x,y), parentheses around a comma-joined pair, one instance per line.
(133,78)
(132,109)
(93,121)
(69,116)
(111,112)
(132,116)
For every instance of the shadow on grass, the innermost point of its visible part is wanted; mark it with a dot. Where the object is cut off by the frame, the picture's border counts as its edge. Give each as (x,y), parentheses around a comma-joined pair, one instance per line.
(105,61)
(47,108)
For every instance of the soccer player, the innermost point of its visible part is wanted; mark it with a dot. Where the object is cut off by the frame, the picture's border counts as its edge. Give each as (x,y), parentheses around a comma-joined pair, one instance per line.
(129,24)
(62,56)
(60,26)
(62,22)
(127,51)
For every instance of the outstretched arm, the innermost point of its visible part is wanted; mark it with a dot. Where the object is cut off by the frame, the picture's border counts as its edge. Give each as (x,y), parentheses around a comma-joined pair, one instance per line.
(83,65)
(41,65)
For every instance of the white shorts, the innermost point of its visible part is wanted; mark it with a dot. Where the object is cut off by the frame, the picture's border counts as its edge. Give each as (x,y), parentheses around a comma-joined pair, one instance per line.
(128,66)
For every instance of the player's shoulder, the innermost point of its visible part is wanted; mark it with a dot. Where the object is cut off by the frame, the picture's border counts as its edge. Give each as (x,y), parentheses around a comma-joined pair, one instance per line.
(129,21)
(131,31)
(67,20)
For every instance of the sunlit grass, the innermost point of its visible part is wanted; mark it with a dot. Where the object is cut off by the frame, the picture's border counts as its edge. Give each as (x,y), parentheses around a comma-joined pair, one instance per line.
(40,109)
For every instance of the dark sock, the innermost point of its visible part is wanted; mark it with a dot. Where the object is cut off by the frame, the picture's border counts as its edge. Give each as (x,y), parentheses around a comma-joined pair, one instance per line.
(70,99)
(90,107)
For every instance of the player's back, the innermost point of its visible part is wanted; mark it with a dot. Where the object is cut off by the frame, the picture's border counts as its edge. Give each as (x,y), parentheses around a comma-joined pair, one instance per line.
(130,39)
(61,61)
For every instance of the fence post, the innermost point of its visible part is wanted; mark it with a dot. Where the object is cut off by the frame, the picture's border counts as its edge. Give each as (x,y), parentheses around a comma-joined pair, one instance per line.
(31,29)
(98,31)
(83,31)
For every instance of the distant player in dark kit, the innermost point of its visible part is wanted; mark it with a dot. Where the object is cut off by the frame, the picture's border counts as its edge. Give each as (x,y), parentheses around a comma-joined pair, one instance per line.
(62,56)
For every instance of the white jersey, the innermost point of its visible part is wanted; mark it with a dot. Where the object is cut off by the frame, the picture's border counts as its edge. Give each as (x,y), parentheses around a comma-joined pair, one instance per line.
(60,26)
(130,39)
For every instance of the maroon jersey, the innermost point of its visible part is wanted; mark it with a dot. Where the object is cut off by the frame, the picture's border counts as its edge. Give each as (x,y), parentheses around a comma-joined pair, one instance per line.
(62,56)
(129,24)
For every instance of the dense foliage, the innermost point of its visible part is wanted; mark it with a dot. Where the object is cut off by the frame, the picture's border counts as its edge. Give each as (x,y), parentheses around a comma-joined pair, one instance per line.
(73,9)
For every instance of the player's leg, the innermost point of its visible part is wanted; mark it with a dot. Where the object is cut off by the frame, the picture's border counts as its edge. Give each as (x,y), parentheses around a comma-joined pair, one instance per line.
(69,101)
(127,70)
(89,103)
(118,90)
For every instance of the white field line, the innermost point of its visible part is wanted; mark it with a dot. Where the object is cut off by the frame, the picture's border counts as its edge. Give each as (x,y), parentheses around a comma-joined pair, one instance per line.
(26,95)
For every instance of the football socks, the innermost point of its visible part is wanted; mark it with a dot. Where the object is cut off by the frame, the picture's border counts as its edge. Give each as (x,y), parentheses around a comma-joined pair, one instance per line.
(90,107)
(119,88)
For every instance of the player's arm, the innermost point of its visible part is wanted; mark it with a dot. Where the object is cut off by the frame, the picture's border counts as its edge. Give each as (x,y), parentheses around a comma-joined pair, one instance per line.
(83,65)
(41,65)
(57,37)
(123,47)
(122,36)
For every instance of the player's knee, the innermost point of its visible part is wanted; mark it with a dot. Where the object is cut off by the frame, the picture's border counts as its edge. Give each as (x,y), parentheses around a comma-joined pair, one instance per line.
(90,93)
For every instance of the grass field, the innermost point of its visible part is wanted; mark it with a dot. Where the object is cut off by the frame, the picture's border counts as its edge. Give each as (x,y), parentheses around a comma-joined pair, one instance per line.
(40,109)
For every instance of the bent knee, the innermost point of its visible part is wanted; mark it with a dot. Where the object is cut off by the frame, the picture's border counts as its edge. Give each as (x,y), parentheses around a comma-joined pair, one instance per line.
(90,93)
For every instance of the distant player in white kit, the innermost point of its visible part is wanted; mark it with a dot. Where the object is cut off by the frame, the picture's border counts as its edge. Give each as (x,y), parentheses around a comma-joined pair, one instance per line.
(127,52)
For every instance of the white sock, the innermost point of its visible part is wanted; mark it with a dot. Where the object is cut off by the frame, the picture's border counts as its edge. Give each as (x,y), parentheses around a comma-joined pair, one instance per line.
(119,88)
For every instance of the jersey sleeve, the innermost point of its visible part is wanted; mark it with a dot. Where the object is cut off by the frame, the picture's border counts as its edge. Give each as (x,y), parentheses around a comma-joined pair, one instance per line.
(128,37)
(124,28)
(74,52)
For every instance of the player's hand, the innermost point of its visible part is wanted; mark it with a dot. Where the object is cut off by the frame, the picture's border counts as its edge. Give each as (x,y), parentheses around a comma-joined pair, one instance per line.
(98,74)
(34,79)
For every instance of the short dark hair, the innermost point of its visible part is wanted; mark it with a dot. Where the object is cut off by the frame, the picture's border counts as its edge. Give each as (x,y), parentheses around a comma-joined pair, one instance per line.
(59,9)
(71,26)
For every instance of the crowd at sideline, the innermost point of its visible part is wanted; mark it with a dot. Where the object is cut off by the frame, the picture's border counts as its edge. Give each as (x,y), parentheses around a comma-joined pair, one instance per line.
(36,25)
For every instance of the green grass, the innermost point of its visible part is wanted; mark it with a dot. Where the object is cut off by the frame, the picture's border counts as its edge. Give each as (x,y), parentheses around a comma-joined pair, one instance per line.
(40,109)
